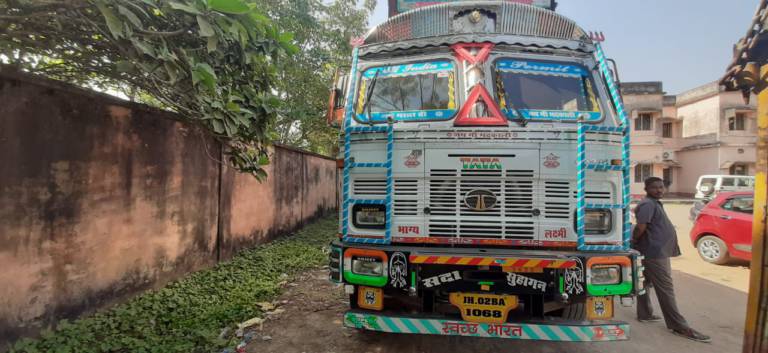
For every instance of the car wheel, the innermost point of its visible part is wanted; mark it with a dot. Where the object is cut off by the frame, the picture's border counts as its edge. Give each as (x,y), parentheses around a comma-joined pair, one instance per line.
(712,249)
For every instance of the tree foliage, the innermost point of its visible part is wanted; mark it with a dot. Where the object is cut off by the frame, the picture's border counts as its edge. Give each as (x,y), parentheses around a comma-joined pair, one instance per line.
(322,32)
(213,61)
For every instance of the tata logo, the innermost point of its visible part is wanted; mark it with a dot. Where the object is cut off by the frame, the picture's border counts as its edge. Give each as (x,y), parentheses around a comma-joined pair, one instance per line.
(480,163)
(480,200)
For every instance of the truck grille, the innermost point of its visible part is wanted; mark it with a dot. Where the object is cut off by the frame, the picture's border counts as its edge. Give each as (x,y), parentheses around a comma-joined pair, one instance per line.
(518,192)
(511,217)
(406,201)
(556,202)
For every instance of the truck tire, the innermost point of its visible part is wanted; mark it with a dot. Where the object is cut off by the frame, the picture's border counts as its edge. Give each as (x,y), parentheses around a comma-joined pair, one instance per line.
(575,311)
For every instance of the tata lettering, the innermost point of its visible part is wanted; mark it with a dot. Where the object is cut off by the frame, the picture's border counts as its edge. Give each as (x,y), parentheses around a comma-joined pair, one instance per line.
(480,163)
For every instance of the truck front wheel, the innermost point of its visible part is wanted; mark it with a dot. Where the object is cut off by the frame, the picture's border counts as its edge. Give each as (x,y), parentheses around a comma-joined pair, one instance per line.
(575,311)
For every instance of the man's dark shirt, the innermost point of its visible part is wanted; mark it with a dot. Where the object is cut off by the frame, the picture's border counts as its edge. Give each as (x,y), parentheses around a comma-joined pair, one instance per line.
(660,238)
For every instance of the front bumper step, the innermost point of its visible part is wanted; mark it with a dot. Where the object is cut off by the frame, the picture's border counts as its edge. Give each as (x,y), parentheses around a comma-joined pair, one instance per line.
(567,331)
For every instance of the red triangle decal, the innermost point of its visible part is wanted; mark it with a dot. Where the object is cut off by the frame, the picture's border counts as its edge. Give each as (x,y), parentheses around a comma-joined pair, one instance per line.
(479,92)
(462,52)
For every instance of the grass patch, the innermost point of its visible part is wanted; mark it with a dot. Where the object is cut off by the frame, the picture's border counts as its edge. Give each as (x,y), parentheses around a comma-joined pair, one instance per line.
(188,315)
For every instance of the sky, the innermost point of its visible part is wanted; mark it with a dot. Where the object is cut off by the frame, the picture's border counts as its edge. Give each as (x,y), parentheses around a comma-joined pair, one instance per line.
(683,43)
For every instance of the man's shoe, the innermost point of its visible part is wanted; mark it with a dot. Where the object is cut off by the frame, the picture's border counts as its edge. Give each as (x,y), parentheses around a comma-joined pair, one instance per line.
(652,318)
(692,334)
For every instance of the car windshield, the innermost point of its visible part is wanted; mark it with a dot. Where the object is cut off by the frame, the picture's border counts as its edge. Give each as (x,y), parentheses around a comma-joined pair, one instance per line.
(545,91)
(421,91)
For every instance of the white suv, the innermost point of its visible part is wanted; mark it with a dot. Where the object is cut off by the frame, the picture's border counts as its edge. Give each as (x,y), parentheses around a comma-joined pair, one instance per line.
(710,185)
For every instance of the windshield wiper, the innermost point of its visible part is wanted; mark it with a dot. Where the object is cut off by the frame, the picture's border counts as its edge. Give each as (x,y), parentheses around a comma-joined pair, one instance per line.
(520,120)
(368,95)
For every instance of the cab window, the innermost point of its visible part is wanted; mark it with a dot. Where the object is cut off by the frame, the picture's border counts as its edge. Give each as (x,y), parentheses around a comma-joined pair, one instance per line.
(541,90)
(410,92)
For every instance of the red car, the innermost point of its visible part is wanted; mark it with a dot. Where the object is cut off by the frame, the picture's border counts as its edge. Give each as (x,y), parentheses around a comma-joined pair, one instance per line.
(723,228)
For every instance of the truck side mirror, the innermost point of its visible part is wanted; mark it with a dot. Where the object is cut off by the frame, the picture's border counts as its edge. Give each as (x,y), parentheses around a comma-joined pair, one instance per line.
(337,98)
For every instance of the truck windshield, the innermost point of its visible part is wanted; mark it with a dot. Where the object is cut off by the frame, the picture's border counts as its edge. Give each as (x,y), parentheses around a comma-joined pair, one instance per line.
(412,92)
(545,91)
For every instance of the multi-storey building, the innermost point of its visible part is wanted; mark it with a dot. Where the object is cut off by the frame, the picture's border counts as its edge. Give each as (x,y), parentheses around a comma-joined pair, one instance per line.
(679,138)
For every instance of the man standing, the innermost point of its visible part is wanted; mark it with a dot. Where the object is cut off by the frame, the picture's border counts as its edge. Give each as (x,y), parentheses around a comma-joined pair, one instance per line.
(655,237)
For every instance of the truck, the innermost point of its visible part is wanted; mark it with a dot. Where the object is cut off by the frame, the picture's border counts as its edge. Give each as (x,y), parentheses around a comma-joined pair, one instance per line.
(485,176)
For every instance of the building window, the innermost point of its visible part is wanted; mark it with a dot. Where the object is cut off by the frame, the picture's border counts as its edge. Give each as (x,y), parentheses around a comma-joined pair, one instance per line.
(666,130)
(643,122)
(738,169)
(737,122)
(642,172)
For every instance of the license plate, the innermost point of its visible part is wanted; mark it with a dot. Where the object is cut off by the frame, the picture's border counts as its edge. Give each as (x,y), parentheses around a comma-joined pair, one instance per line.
(370,298)
(599,308)
(485,308)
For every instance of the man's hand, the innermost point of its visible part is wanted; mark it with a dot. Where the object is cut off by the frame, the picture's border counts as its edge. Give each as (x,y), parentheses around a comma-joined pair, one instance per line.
(638,232)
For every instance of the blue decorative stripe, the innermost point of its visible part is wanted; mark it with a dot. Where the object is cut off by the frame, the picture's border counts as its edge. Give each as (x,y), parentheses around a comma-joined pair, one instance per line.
(390,182)
(409,69)
(603,205)
(348,165)
(580,176)
(381,117)
(531,333)
(569,332)
(411,326)
(391,324)
(557,115)
(367,202)
(347,152)
(550,333)
(538,67)
(603,166)
(624,168)
(602,248)
(368,165)
(353,129)
(428,325)
(600,128)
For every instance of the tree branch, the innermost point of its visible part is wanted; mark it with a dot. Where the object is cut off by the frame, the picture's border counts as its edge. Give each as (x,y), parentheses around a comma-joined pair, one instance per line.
(163,34)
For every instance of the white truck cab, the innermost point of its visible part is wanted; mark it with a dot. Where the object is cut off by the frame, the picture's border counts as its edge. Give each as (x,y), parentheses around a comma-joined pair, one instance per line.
(485,156)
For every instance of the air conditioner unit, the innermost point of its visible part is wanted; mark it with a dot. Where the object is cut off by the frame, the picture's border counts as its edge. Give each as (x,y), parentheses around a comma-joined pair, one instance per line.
(668,155)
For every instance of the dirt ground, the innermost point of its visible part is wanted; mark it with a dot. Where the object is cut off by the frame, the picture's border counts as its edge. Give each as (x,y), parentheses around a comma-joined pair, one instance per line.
(713,299)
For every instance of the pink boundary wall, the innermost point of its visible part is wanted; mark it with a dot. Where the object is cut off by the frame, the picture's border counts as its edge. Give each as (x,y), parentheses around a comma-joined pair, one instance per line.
(101,199)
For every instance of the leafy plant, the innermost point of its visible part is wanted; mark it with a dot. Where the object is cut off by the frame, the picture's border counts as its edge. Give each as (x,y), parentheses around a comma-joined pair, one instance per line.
(322,30)
(191,314)
(212,61)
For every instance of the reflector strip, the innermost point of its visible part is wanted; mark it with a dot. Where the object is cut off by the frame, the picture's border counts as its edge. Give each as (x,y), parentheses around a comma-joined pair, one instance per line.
(521,331)
(491,261)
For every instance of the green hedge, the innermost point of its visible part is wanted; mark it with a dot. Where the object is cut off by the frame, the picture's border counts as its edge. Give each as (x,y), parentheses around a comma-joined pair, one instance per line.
(189,315)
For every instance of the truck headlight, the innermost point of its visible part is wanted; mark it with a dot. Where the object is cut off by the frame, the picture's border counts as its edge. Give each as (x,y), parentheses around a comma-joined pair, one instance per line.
(369,266)
(369,216)
(606,274)
(598,221)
